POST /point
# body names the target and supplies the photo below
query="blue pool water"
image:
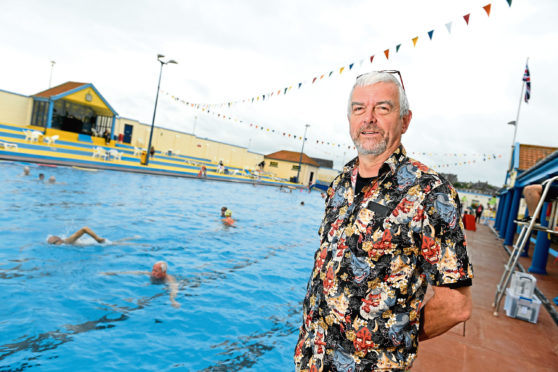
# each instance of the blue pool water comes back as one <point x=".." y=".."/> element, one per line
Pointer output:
<point x="240" y="289"/>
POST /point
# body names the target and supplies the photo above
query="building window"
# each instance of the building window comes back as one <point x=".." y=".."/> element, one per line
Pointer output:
<point x="295" y="167"/>
<point x="273" y="164"/>
<point x="39" y="117"/>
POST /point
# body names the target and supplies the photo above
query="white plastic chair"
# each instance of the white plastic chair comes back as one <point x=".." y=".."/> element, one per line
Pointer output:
<point x="137" y="151"/>
<point x="115" y="154"/>
<point x="99" y="152"/>
<point x="8" y="145"/>
<point x="52" y="139"/>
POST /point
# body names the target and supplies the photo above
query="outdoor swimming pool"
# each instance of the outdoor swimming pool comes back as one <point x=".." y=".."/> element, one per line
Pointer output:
<point x="240" y="289"/>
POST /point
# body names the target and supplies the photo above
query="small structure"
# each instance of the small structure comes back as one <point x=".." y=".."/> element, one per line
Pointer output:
<point x="285" y="164"/>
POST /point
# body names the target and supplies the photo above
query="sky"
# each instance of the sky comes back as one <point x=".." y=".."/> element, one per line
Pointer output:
<point x="463" y="86"/>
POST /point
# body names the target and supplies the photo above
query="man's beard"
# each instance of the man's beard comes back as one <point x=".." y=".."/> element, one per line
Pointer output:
<point x="372" y="148"/>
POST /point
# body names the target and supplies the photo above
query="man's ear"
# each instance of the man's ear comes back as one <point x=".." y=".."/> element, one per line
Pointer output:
<point x="406" y="121"/>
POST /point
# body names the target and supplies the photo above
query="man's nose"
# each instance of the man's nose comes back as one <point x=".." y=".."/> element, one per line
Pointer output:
<point x="369" y="115"/>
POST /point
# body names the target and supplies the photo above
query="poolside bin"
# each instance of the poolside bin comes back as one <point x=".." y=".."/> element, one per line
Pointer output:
<point x="143" y="157"/>
<point x="521" y="302"/>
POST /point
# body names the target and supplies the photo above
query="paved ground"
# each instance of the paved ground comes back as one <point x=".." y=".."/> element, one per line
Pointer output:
<point x="495" y="343"/>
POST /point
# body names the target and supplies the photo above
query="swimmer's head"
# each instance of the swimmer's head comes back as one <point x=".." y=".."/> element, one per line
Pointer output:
<point x="55" y="240"/>
<point x="41" y="176"/>
<point x="159" y="270"/>
<point x="26" y="170"/>
<point x="52" y="179"/>
<point x="228" y="213"/>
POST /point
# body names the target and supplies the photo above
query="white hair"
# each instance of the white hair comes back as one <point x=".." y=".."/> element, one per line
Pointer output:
<point x="374" y="77"/>
<point x="163" y="265"/>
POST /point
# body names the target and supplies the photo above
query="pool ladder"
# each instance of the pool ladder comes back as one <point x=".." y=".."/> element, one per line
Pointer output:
<point x="524" y="235"/>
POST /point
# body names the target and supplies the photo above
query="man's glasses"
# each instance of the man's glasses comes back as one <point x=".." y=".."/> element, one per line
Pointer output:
<point x="389" y="72"/>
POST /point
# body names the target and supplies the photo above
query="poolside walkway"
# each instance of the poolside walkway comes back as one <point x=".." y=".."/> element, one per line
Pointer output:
<point x="495" y="343"/>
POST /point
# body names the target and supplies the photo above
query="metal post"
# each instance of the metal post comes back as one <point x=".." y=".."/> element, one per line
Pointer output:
<point x="301" y="152"/>
<point x="52" y="63"/>
<point x="159" y="56"/>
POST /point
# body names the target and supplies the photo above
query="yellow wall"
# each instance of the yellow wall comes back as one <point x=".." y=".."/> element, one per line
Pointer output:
<point x="15" y="109"/>
<point x="285" y="170"/>
<point x="81" y="97"/>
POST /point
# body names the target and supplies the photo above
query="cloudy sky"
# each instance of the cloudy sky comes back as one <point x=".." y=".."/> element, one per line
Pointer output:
<point x="464" y="86"/>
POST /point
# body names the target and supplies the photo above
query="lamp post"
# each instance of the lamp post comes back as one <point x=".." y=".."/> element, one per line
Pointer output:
<point x="301" y="152"/>
<point x="52" y="63"/>
<point x="159" y="56"/>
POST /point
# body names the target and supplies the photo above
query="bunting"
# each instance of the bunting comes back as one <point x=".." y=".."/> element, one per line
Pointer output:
<point x="318" y="77"/>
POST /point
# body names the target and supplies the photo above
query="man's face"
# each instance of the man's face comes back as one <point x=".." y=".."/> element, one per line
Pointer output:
<point x="157" y="272"/>
<point x="375" y="125"/>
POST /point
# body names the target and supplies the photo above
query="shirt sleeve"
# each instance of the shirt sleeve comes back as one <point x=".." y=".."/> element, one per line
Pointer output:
<point x="443" y="254"/>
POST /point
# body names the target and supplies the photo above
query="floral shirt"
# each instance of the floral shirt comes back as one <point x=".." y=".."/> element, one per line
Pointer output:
<point x="379" y="250"/>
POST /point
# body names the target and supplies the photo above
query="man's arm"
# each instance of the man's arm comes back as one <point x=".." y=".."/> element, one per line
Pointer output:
<point x="127" y="273"/>
<point x="173" y="286"/>
<point x="84" y="230"/>
<point x="444" y="310"/>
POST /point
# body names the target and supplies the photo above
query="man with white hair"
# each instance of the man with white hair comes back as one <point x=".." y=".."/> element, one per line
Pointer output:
<point x="158" y="275"/>
<point x="391" y="227"/>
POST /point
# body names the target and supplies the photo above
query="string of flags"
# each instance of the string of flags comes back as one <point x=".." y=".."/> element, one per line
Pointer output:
<point x="337" y="71"/>
<point x="260" y="127"/>
<point x="468" y="162"/>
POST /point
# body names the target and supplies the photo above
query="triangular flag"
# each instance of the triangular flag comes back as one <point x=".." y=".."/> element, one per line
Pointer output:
<point x="341" y="70"/>
<point x="397" y="48"/>
<point x="386" y="52"/>
<point x="330" y="73"/>
<point x="415" y="39"/>
<point x="361" y="62"/>
<point x="448" y="26"/>
<point x="371" y="59"/>
<point x="509" y="2"/>
<point x="351" y="66"/>
<point x="299" y="85"/>
<point x="313" y="80"/>
<point x="285" y="92"/>
<point x="430" y="33"/>
<point x="466" y="18"/>
<point x="321" y="77"/>
<point x="487" y="9"/>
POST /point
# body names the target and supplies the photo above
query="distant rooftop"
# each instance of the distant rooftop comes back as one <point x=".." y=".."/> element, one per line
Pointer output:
<point x="59" y="89"/>
<point x="292" y="157"/>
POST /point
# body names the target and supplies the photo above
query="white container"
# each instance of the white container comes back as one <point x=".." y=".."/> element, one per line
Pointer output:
<point x="523" y="284"/>
<point x="523" y="308"/>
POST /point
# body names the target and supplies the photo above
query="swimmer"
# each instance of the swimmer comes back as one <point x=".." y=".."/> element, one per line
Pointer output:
<point x="301" y="203"/>
<point x="74" y="237"/>
<point x="41" y="177"/>
<point x="158" y="275"/>
<point x="227" y="220"/>
<point x="223" y="210"/>
<point x="26" y="170"/>
<point x="51" y="179"/>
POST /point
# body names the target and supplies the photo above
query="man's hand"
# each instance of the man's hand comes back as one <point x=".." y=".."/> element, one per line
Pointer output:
<point x="445" y="309"/>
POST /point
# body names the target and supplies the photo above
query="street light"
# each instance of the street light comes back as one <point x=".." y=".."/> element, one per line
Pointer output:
<point x="159" y="56"/>
<point x="301" y="151"/>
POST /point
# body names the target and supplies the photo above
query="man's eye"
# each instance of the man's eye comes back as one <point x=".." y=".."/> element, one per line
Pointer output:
<point x="357" y="109"/>
<point x="383" y="109"/>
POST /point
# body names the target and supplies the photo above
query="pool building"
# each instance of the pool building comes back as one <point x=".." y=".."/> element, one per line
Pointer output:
<point x="73" y="124"/>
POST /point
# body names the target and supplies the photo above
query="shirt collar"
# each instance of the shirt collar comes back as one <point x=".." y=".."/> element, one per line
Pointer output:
<point x="390" y="165"/>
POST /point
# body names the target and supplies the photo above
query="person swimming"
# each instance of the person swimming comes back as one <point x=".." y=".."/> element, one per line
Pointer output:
<point x="157" y="275"/>
<point x="56" y="240"/>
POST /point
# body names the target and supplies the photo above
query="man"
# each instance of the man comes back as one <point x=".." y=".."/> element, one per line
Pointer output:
<point x="478" y="213"/>
<point x="158" y="275"/>
<point x="74" y="237"/>
<point x="391" y="227"/>
<point x="226" y="217"/>
<point x="533" y="194"/>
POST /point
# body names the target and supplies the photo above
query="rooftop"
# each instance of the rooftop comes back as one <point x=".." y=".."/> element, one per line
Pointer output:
<point x="292" y="157"/>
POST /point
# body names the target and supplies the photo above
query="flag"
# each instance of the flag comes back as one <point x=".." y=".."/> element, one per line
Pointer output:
<point x="527" y="80"/>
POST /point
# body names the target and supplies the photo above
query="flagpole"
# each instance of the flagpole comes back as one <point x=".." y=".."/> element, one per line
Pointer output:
<point x="519" y="107"/>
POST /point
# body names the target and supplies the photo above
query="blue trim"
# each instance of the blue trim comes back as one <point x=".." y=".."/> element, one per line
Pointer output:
<point x="540" y="254"/>
<point x="80" y="88"/>
<point x="49" y="118"/>
<point x="539" y="174"/>
<point x="17" y="94"/>
<point x="516" y="156"/>
<point x="41" y="99"/>
<point x="112" y="127"/>
<point x="512" y="214"/>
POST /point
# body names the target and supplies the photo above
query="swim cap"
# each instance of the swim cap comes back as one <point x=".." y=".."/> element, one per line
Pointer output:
<point x="228" y="213"/>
